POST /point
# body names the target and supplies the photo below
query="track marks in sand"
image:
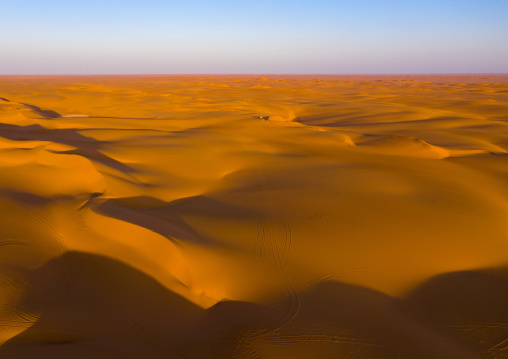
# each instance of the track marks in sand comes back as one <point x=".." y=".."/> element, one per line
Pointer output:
<point x="498" y="350"/>
<point x="11" y="309"/>
<point x="273" y="246"/>
<point x="272" y="250"/>
<point x="27" y="209"/>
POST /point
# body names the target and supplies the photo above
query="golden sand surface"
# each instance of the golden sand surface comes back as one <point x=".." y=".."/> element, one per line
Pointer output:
<point x="254" y="216"/>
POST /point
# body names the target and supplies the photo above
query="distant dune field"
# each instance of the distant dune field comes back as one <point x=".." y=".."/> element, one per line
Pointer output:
<point x="254" y="217"/>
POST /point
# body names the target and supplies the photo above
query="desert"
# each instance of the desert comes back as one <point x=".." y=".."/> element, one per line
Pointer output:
<point x="254" y="216"/>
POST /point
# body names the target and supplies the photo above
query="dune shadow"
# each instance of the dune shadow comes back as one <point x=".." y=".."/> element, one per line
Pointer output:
<point x="453" y="315"/>
<point x="166" y="218"/>
<point x="44" y="113"/>
<point x="86" y="147"/>
<point x="377" y="325"/>
<point x="93" y="306"/>
<point x="468" y="306"/>
<point x="25" y="197"/>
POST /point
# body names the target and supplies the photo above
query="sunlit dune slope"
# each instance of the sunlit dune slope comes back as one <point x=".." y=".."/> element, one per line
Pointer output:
<point x="254" y="217"/>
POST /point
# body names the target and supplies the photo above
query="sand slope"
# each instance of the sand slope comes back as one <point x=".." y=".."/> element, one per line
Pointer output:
<point x="249" y="217"/>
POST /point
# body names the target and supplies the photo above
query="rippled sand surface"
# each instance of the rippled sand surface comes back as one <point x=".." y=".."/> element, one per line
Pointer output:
<point x="254" y="217"/>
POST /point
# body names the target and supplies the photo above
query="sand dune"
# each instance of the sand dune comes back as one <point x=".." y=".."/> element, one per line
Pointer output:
<point x="254" y="217"/>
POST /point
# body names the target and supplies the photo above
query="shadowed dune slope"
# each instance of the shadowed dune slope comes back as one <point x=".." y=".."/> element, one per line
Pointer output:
<point x="87" y="305"/>
<point x="254" y="217"/>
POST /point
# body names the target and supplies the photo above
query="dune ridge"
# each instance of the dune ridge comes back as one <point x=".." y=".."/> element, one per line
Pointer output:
<point x="253" y="216"/>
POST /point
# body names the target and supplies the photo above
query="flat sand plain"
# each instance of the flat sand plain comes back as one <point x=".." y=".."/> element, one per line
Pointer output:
<point x="254" y="217"/>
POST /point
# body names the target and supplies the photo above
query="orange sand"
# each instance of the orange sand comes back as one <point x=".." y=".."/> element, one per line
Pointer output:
<point x="248" y="217"/>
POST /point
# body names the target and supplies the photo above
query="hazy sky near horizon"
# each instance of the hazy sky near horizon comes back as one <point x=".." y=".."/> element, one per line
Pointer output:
<point x="262" y="36"/>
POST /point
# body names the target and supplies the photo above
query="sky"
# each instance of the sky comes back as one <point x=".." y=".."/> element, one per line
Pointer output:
<point x="253" y="36"/>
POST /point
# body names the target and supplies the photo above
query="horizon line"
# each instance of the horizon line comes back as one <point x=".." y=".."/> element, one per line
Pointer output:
<point x="274" y="74"/>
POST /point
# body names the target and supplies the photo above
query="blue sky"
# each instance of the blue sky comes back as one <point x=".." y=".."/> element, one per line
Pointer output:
<point x="277" y="36"/>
